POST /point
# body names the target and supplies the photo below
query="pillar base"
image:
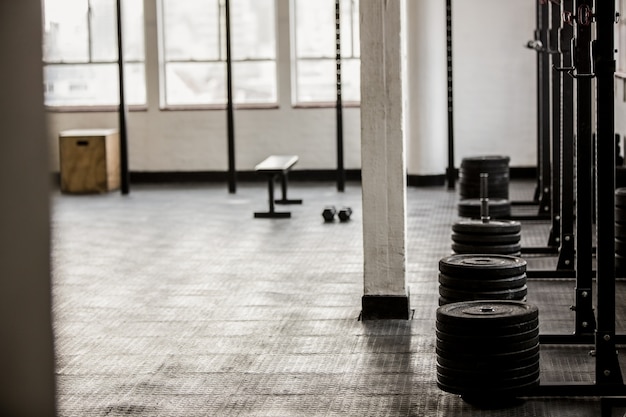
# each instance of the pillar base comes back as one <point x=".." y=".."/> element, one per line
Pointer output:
<point x="385" y="307"/>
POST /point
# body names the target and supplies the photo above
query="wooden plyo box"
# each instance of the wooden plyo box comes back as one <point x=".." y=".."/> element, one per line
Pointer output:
<point x="89" y="160"/>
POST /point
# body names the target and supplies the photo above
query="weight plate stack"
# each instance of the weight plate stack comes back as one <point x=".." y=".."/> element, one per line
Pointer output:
<point x="620" y="232"/>
<point x="499" y="208"/>
<point x="465" y="277"/>
<point x="497" y="167"/>
<point x="494" y="237"/>
<point x="487" y="350"/>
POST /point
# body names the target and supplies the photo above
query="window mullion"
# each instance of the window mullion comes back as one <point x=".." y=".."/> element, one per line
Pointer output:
<point x="352" y="54"/>
<point x="220" y="12"/>
<point x="89" y="33"/>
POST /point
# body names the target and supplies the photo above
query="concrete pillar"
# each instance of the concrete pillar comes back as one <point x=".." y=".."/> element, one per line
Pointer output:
<point x="26" y="352"/>
<point x="427" y="109"/>
<point x="382" y="159"/>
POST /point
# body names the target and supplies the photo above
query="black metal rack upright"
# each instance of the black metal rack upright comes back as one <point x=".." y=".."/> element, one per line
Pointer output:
<point x="608" y="377"/>
<point x="555" y="127"/>
<point x="581" y="63"/>
<point x="567" y="220"/>
<point x="341" y="172"/>
<point x="576" y="63"/>
<point x="450" y="171"/>
<point x="230" y="119"/>
<point x="543" y="104"/>
<point x="554" y="239"/>
<point x="123" y="108"/>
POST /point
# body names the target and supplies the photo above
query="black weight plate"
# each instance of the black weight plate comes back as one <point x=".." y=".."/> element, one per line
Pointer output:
<point x="486" y="249"/>
<point x="620" y="247"/>
<point x="495" y="227"/>
<point x="482" y="314"/>
<point x="465" y="295"/>
<point x="490" y="379"/>
<point x="500" y="183"/>
<point x="491" y="194"/>
<point x="482" y="266"/>
<point x="480" y="168"/>
<point x="478" y="395"/>
<point x="494" y="204"/>
<point x="475" y="347"/>
<point x="487" y="384"/>
<point x="485" y="344"/>
<point x="620" y="197"/>
<point x="487" y="331"/>
<point x="620" y="215"/>
<point x="620" y="265"/>
<point x="505" y="373"/>
<point x="469" y="284"/>
<point x="473" y="172"/>
<point x="474" y="213"/>
<point x="493" y="189"/>
<point x="487" y="363"/>
<point x="486" y="239"/>
<point x="485" y="160"/>
<point x="620" y="230"/>
<point x="487" y="340"/>
<point x="493" y="215"/>
<point x="444" y="301"/>
<point x="472" y="185"/>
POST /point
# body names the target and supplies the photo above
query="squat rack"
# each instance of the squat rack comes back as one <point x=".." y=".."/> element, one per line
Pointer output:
<point x="555" y="139"/>
<point x="608" y="377"/>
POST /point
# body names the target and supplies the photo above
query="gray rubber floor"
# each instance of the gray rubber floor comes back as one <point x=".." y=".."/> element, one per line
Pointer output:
<point x="175" y="301"/>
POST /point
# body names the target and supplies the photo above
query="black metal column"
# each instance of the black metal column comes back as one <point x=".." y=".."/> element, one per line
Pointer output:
<point x="566" y="253"/>
<point x="230" y="122"/>
<point x="585" y="317"/>
<point x="450" y="172"/>
<point x="607" y="366"/>
<point x="123" y="110"/>
<point x="543" y="106"/>
<point x="341" y="172"/>
<point x="554" y="239"/>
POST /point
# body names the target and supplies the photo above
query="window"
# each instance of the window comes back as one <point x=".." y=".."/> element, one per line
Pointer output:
<point x="315" y="77"/>
<point x="194" y="52"/>
<point x="80" y="52"/>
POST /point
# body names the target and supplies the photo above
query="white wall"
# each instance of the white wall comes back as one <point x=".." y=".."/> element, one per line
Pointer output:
<point x="495" y="105"/>
<point x="495" y="79"/>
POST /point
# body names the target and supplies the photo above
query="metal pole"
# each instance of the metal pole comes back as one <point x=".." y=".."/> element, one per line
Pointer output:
<point x="122" y="110"/>
<point x="230" y="122"/>
<point x="543" y="107"/>
<point x="554" y="239"/>
<point x="585" y="316"/>
<point x="566" y="255"/>
<point x="451" y="175"/>
<point x="341" y="173"/>
<point x="607" y="365"/>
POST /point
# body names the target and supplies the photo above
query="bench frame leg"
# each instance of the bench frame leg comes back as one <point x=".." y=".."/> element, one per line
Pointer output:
<point x="271" y="214"/>
<point x="285" y="200"/>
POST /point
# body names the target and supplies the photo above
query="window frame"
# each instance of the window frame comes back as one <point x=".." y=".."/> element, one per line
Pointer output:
<point x="296" y="58"/>
<point x="221" y="59"/>
<point x="91" y="61"/>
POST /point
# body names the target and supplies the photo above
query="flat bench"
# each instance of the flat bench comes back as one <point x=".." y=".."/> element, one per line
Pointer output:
<point x="273" y="167"/>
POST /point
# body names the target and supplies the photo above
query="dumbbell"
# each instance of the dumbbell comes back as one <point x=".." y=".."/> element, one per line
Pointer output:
<point x="329" y="213"/>
<point x="344" y="214"/>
